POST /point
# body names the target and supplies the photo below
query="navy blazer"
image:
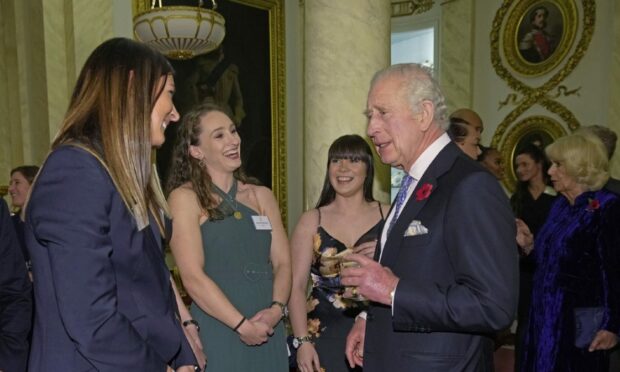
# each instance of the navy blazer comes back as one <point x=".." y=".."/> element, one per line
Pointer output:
<point x="102" y="289"/>
<point x="458" y="282"/>
<point x="15" y="298"/>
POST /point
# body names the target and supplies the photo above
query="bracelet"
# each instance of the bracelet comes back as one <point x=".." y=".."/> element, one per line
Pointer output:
<point x="282" y="307"/>
<point x="298" y="341"/>
<point x="239" y="325"/>
<point x="192" y="321"/>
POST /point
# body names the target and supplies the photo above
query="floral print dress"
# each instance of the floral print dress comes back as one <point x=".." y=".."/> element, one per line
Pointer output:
<point x="330" y="316"/>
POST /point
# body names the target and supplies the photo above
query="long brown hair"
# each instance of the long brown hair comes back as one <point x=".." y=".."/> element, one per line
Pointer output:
<point x="185" y="168"/>
<point x="110" y="114"/>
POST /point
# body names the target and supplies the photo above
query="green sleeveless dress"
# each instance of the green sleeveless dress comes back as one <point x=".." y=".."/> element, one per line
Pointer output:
<point x="237" y="260"/>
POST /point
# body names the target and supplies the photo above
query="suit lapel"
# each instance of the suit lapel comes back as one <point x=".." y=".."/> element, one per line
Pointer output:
<point x="441" y="164"/>
<point x="153" y="233"/>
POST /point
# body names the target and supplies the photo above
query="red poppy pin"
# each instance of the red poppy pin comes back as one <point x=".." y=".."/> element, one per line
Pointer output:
<point x="593" y="205"/>
<point x="423" y="192"/>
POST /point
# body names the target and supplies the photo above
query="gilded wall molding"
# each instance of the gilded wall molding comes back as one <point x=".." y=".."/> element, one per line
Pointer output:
<point x="406" y="8"/>
<point x="526" y="96"/>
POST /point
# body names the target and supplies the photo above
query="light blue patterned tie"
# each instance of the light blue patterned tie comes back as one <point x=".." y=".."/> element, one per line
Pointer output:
<point x="400" y="199"/>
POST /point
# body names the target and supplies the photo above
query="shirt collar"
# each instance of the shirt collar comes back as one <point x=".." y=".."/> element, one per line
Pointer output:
<point x="426" y="158"/>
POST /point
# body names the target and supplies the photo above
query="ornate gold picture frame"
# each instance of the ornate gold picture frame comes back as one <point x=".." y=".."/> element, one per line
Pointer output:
<point x="539" y="130"/>
<point x="539" y="34"/>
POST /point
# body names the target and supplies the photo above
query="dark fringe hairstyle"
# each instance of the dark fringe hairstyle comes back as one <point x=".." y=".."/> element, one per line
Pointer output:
<point x="352" y="147"/>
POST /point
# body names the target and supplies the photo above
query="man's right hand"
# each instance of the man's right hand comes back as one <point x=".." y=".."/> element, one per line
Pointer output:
<point x="355" y="343"/>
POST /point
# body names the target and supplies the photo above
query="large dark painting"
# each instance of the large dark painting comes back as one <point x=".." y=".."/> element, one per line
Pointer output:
<point x="236" y="75"/>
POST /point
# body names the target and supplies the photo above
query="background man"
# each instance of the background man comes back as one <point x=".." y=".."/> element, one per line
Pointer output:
<point x="472" y="119"/>
<point x="609" y="139"/>
<point x="15" y="298"/>
<point x="447" y="270"/>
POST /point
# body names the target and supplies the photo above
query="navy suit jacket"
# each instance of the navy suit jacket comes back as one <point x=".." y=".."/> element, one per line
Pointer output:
<point x="102" y="289"/>
<point x="458" y="282"/>
<point x="15" y="298"/>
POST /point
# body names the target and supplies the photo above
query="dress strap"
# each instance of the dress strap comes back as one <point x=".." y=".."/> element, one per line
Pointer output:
<point x="319" y="210"/>
<point x="380" y="210"/>
<point x="232" y="193"/>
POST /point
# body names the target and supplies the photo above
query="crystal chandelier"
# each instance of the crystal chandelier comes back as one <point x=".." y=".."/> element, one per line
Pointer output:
<point x="180" y="32"/>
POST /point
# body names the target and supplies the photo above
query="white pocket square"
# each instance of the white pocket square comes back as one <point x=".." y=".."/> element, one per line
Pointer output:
<point x="415" y="228"/>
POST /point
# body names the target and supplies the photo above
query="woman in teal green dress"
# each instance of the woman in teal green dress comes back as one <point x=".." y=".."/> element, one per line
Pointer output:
<point x="230" y="247"/>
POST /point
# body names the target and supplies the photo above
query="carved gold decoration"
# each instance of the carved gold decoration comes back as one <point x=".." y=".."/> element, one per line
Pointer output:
<point x="538" y="126"/>
<point x="562" y="90"/>
<point x="519" y="15"/>
<point x="512" y="98"/>
<point x="3" y="190"/>
<point x="526" y="96"/>
<point x="405" y="8"/>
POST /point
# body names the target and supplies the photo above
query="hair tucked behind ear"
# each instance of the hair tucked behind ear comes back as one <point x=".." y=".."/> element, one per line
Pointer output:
<point x="110" y="115"/>
<point x="184" y="168"/>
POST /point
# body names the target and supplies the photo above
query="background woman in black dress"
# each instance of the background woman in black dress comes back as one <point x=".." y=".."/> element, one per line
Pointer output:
<point x="531" y="204"/>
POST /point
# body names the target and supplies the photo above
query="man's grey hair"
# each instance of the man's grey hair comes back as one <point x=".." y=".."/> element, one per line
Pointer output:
<point x="418" y="85"/>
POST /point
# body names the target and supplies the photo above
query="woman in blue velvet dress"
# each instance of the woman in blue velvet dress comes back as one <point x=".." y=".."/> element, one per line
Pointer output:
<point x="578" y="262"/>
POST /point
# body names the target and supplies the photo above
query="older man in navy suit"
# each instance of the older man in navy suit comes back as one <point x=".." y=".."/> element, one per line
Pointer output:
<point x="446" y="276"/>
<point x="15" y="298"/>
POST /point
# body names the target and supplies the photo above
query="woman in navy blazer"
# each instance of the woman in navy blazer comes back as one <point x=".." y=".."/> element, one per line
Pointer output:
<point x="94" y="224"/>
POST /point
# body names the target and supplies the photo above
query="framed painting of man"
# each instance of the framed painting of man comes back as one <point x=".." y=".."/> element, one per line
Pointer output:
<point x="538" y="34"/>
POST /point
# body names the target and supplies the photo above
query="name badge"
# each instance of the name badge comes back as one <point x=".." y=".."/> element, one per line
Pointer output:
<point x="261" y="222"/>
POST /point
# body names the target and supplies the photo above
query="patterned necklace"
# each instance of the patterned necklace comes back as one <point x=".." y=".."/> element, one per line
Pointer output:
<point x="230" y="200"/>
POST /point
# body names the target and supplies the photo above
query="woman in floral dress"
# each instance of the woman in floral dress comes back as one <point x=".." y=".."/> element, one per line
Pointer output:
<point x="346" y="219"/>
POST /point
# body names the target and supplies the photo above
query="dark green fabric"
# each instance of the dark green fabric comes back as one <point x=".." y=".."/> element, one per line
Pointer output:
<point x="237" y="259"/>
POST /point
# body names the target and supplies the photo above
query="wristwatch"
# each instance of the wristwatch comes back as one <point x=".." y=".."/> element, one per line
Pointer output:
<point x="282" y="306"/>
<point x="298" y="341"/>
